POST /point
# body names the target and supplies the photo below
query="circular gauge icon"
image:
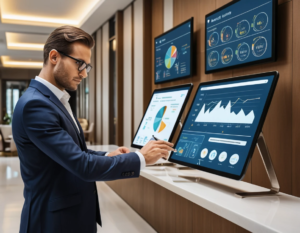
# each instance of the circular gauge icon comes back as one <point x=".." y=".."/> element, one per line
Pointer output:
<point x="213" y="155"/>
<point x="226" y="34"/>
<point x="226" y="56"/>
<point x="243" y="51"/>
<point x="222" y="156"/>
<point x="213" y="39"/>
<point x="260" y="21"/>
<point x="242" y="29"/>
<point x="259" y="46"/>
<point x="234" y="159"/>
<point x="204" y="153"/>
<point x="213" y="58"/>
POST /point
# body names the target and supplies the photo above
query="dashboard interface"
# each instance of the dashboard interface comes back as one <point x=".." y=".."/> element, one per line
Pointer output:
<point x="162" y="114"/>
<point x="173" y="53"/>
<point x="240" y="33"/>
<point x="222" y="122"/>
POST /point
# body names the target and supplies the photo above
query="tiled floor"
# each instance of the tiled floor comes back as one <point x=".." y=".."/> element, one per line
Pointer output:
<point x="116" y="215"/>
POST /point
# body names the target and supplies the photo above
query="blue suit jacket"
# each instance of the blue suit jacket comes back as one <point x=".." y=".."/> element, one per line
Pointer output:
<point x="58" y="170"/>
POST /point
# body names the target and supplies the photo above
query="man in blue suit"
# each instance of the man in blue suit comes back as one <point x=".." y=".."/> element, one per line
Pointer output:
<point x="58" y="170"/>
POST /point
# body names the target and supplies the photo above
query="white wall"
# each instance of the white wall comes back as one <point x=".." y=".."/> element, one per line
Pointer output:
<point x="105" y="83"/>
<point x="98" y="66"/>
<point x="138" y="62"/>
<point x="127" y="98"/>
<point x="168" y="15"/>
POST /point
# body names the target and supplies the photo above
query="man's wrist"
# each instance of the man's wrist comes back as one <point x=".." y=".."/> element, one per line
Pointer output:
<point x="142" y="160"/>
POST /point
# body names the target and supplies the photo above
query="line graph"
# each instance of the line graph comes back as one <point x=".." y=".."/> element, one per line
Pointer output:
<point x="233" y="103"/>
<point x="224" y="115"/>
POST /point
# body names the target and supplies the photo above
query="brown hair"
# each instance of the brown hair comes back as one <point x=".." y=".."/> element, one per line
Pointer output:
<point x="62" y="38"/>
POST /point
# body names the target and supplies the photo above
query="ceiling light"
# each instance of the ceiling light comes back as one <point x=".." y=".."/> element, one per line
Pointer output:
<point x="25" y="46"/>
<point x="37" y="20"/>
<point x="7" y="62"/>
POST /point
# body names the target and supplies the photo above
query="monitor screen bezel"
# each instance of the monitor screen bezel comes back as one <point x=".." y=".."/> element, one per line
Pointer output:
<point x="191" y="20"/>
<point x="256" y="135"/>
<point x="190" y="85"/>
<point x="273" y="58"/>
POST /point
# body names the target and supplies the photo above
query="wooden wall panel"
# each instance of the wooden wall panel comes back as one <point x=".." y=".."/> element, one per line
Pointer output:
<point x="296" y="101"/>
<point x="157" y="29"/>
<point x="167" y="212"/>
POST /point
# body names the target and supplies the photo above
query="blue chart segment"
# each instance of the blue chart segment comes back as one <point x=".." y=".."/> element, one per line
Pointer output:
<point x="159" y="125"/>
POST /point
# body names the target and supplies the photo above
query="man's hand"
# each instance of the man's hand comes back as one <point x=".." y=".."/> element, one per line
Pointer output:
<point x="154" y="150"/>
<point x="120" y="150"/>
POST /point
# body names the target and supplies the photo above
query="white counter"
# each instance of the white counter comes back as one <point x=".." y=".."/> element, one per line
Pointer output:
<point x="256" y="214"/>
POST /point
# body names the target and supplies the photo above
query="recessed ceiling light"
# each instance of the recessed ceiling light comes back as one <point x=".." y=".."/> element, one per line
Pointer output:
<point x="7" y="62"/>
<point x="25" y="46"/>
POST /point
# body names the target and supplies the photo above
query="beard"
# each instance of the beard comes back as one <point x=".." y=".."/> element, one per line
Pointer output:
<point x="61" y="78"/>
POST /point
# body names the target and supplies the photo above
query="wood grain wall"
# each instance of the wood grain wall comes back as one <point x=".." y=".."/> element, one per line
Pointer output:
<point x="282" y="123"/>
<point x="169" y="212"/>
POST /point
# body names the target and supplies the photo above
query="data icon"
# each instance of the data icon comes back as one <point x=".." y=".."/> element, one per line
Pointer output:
<point x="213" y="39"/>
<point x="213" y="58"/>
<point x="260" y="22"/>
<point x="213" y="155"/>
<point x="226" y="56"/>
<point x="234" y="159"/>
<point x="259" y="46"/>
<point x="222" y="156"/>
<point x="242" y="29"/>
<point x="226" y="34"/>
<point x="204" y="153"/>
<point x="243" y="51"/>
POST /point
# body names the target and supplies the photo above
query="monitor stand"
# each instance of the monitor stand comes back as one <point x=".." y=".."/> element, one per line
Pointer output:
<point x="267" y="161"/>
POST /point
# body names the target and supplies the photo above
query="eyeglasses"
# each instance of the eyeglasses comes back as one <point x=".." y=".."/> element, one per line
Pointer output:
<point x="81" y="64"/>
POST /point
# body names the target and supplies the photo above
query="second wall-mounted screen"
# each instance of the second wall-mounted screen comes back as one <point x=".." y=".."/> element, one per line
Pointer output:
<point x="173" y="57"/>
<point x="240" y="33"/>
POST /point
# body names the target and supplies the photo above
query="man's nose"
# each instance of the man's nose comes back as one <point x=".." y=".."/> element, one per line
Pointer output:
<point x="83" y="73"/>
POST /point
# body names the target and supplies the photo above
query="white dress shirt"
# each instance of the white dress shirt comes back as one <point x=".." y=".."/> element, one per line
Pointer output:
<point x="64" y="97"/>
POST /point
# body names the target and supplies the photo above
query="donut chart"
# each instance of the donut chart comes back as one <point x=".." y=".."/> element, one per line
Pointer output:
<point x="226" y="34"/>
<point x="171" y="56"/>
<point x="260" y="22"/>
<point x="259" y="46"/>
<point x="243" y="51"/>
<point x="159" y="125"/>
<point x="213" y="58"/>
<point x="213" y="39"/>
<point x="242" y="29"/>
<point x="227" y="56"/>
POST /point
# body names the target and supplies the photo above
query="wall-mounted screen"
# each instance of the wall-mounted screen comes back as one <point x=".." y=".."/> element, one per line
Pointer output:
<point x="240" y="33"/>
<point x="162" y="115"/>
<point x="173" y="53"/>
<point x="223" y="124"/>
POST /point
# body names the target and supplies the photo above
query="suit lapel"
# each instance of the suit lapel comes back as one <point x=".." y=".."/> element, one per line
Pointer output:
<point x="46" y="92"/>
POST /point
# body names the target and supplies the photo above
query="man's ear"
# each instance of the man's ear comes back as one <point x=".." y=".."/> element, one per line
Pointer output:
<point x="53" y="56"/>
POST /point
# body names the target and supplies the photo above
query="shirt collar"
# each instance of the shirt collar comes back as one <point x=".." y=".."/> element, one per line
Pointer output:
<point x="57" y="92"/>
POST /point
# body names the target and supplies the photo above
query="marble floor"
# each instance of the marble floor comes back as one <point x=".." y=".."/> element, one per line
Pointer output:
<point x="116" y="215"/>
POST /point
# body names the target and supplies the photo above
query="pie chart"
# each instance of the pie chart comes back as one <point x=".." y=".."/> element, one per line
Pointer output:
<point x="171" y="56"/>
<point x="159" y="125"/>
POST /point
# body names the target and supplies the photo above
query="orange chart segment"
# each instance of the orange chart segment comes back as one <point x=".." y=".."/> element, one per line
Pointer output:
<point x="159" y="125"/>
<point x="162" y="126"/>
